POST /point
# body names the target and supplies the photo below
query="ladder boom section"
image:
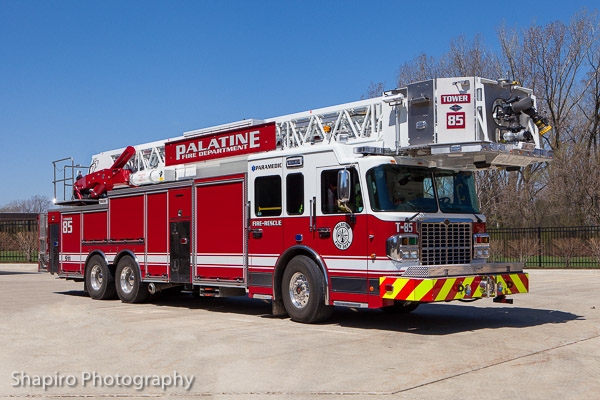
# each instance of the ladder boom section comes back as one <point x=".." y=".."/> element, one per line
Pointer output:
<point x="458" y="123"/>
<point x="356" y="120"/>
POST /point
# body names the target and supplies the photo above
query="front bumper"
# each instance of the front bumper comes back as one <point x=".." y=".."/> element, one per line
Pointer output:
<point x="452" y="288"/>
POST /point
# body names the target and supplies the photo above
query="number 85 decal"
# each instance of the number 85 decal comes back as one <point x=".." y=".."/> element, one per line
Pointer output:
<point x="455" y="120"/>
<point x="67" y="226"/>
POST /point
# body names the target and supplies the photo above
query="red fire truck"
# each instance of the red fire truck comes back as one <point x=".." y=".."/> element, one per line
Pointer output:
<point x="369" y="204"/>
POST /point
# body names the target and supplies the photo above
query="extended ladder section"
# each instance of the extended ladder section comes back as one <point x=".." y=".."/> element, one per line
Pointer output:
<point x="460" y="123"/>
<point x="358" y="121"/>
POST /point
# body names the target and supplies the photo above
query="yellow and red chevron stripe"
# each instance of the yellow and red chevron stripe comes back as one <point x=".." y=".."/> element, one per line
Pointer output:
<point x="444" y="289"/>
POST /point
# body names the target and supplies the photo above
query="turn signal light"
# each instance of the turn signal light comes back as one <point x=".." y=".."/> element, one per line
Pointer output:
<point x="482" y="239"/>
<point x="481" y="245"/>
<point x="409" y="241"/>
<point x="403" y="247"/>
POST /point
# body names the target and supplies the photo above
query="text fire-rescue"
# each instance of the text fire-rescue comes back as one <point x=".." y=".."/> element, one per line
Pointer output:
<point x="269" y="222"/>
<point x="225" y="144"/>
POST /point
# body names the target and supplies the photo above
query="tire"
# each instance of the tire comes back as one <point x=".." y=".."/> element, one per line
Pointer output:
<point x="303" y="290"/>
<point x="130" y="287"/>
<point x="401" y="307"/>
<point x="99" y="279"/>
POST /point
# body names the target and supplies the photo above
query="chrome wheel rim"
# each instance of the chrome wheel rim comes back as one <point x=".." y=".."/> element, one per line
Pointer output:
<point x="127" y="279"/>
<point x="96" y="277"/>
<point x="299" y="290"/>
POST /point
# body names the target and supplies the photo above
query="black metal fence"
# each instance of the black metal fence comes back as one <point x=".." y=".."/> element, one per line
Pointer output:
<point x="18" y="240"/>
<point x="551" y="247"/>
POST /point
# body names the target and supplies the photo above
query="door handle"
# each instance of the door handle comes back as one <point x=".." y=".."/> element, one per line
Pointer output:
<point x="312" y="214"/>
<point x="256" y="233"/>
<point x="324" y="233"/>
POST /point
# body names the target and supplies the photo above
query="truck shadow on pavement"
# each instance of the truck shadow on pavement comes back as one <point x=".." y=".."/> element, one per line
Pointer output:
<point x="428" y="319"/>
<point x="445" y="319"/>
<point x="18" y="273"/>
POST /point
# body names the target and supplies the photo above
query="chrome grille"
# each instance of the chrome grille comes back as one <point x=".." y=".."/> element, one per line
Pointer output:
<point x="443" y="243"/>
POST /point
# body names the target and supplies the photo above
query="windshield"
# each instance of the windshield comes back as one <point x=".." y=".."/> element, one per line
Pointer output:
<point x="456" y="192"/>
<point x="394" y="188"/>
<point x="400" y="188"/>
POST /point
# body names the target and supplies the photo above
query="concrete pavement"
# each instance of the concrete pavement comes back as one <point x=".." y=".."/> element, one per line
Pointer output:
<point x="546" y="345"/>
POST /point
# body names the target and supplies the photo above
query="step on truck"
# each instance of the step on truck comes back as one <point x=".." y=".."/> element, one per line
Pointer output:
<point x="369" y="204"/>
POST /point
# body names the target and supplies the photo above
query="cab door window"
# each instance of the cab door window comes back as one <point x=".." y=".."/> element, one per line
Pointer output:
<point x="330" y="203"/>
<point x="267" y="196"/>
<point x="294" y="194"/>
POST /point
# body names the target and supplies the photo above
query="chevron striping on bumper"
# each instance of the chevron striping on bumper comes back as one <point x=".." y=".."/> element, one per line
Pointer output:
<point x="445" y="289"/>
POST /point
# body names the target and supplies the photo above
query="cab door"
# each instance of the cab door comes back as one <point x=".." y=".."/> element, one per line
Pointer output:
<point x="341" y="235"/>
<point x="265" y="233"/>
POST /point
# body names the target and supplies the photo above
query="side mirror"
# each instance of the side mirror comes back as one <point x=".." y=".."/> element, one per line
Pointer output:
<point x="343" y="186"/>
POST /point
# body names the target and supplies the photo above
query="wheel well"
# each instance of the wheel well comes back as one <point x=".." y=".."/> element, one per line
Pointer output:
<point x="286" y="257"/>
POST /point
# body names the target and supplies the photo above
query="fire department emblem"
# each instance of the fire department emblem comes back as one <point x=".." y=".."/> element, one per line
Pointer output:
<point x="342" y="235"/>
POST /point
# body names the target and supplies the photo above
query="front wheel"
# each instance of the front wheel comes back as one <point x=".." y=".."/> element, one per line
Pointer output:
<point x="303" y="290"/>
<point x="129" y="282"/>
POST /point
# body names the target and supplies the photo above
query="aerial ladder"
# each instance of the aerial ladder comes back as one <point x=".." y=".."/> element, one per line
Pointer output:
<point x="469" y="123"/>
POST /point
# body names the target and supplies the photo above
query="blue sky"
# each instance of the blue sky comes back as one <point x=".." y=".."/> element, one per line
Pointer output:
<point x="81" y="77"/>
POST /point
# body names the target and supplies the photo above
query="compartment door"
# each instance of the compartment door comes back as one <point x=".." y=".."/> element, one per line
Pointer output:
<point x="220" y="231"/>
<point x="180" y="251"/>
<point x="54" y="242"/>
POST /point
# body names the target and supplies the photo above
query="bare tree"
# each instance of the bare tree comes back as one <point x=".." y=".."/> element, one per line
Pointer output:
<point x="420" y="68"/>
<point x="524" y="248"/>
<point x="594" y="246"/>
<point x="470" y="58"/>
<point x="589" y="107"/>
<point x="375" y="89"/>
<point x="27" y="243"/>
<point x="35" y="204"/>
<point x="568" y="249"/>
<point x="551" y="60"/>
<point x="560" y="61"/>
<point x="464" y="58"/>
<point x="574" y="186"/>
<point x="6" y="241"/>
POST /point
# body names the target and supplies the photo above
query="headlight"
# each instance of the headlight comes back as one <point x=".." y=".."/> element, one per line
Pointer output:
<point x="403" y="247"/>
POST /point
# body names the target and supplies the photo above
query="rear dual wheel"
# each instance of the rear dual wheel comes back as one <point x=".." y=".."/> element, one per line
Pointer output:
<point x="130" y="287"/>
<point x="99" y="279"/>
